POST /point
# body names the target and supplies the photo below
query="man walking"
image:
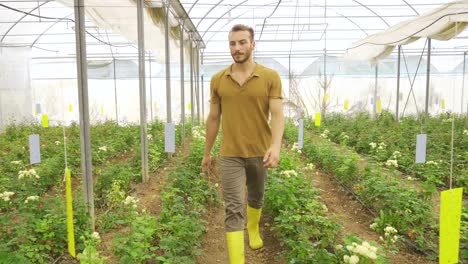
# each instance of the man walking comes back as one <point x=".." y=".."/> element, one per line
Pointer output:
<point x="244" y="94"/>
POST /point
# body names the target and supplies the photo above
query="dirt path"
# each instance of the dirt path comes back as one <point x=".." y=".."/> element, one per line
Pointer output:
<point x="214" y="242"/>
<point x="355" y="218"/>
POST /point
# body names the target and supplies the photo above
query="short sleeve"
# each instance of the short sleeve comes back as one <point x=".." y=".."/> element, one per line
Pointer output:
<point x="214" y="96"/>
<point x="275" y="88"/>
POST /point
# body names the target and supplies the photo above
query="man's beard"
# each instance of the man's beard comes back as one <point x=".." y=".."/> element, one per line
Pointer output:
<point x="247" y="57"/>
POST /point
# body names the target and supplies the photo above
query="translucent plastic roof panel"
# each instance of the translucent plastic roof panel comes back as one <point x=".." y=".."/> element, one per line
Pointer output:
<point x="302" y="27"/>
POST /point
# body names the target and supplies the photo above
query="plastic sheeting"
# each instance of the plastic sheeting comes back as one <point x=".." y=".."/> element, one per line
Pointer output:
<point x="116" y="15"/>
<point x="442" y="23"/>
<point x="15" y="87"/>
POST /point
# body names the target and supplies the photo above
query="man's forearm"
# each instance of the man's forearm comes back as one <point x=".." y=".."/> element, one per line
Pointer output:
<point x="212" y="128"/>
<point x="277" y="128"/>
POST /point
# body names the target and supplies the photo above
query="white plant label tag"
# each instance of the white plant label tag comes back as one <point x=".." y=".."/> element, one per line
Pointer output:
<point x="421" y="142"/>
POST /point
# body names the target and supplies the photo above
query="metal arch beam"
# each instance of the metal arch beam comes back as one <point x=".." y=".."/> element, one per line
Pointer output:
<point x="209" y="11"/>
<point x="192" y="6"/>
<point x="354" y="23"/>
<point x="264" y="20"/>
<point x="224" y="26"/>
<point x="214" y="22"/>
<point x="417" y="13"/>
<point x="45" y="31"/>
<point x="19" y="20"/>
<point x="370" y="9"/>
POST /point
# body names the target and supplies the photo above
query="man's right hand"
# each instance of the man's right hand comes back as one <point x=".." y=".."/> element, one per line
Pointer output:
<point x="206" y="163"/>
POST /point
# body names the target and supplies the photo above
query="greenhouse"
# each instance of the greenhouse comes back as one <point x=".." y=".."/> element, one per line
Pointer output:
<point x="196" y="131"/>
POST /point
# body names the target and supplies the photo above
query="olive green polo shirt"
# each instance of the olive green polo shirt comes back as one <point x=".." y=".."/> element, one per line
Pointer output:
<point x="245" y="111"/>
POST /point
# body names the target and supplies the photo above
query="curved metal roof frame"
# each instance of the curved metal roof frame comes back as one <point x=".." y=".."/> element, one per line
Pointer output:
<point x="413" y="7"/>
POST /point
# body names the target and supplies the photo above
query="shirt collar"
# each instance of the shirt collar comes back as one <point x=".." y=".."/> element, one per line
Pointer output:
<point x="256" y="72"/>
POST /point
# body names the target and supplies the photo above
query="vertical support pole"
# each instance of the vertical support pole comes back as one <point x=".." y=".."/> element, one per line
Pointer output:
<point x="168" y="66"/>
<point x="168" y="69"/>
<point x="289" y="84"/>
<point x="141" y="67"/>
<point x="197" y="83"/>
<point x="182" y="81"/>
<point x="85" y="131"/>
<point x="463" y="84"/>
<point x="192" y="106"/>
<point x="202" y="93"/>
<point x="428" y="74"/>
<point x="375" y="88"/>
<point x="115" y="93"/>
<point x="397" y="113"/>
<point x="151" y="86"/>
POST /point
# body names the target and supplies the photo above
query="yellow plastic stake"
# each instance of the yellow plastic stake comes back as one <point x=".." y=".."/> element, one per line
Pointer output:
<point x="45" y="120"/>
<point x="443" y="104"/>
<point x="70" y="108"/>
<point x="450" y="218"/>
<point x="317" y="119"/>
<point x="346" y="105"/>
<point x="379" y="106"/>
<point x="70" y="228"/>
<point x="325" y="97"/>
<point x="189" y="105"/>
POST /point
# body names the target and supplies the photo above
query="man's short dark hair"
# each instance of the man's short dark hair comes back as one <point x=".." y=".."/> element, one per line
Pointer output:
<point x="241" y="27"/>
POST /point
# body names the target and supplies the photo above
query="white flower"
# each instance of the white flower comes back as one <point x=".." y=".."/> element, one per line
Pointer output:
<point x="382" y="144"/>
<point x="103" y="148"/>
<point x="465" y="132"/>
<point x="310" y="166"/>
<point x="373" y="226"/>
<point x="346" y="258"/>
<point x="299" y="151"/>
<point x="432" y="163"/>
<point x="198" y="133"/>
<point x="130" y="200"/>
<point x="391" y="163"/>
<point x="324" y="135"/>
<point x="149" y="137"/>
<point x="295" y="146"/>
<point x="339" y="247"/>
<point x="57" y="142"/>
<point x="289" y="173"/>
<point x="353" y="259"/>
<point x="373" y="145"/>
<point x="16" y="162"/>
<point x="390" y="230"/>
<point x="31" y="198"/>
<point x="372" y="255"/>
<point x="28" y="174"/>
<point x="6" y="195"/>
<point x="96" y="235"/>
<point x="396" y="154"/>
<point x="361" y="250"/>
<point x="216" y="185"/>
<point x="410" y="178"/>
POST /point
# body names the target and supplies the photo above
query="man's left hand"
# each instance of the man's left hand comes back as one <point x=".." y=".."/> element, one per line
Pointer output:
<point x="271" y="158"/>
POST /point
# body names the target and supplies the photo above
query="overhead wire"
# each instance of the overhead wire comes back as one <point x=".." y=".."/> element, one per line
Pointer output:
<point x="67" y="19"/>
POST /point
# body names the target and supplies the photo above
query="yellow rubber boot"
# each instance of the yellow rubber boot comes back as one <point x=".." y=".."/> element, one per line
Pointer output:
<point x="253" y="218"/>
<point x="235" y="242"/>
